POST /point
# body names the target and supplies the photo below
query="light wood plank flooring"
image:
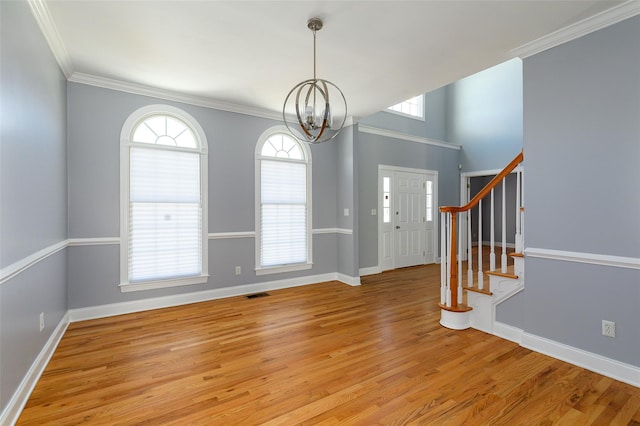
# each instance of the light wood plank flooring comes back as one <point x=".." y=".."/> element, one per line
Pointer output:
<point x="323" y="354"/>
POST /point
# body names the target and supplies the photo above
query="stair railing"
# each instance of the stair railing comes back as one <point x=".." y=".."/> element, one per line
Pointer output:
<point x="451" y="295"/>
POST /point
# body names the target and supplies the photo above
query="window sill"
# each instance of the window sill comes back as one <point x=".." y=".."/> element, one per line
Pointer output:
<point x="152" y="285"/>
<point x="281" y="269"/>
<point x="405" y="115"/>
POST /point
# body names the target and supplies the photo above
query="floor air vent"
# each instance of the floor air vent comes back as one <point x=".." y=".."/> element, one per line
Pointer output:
<point x="256" y="295"/>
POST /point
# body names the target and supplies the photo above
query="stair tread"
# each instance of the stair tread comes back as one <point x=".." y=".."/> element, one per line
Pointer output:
<point x="478" y="290"/>
<point x="516" y="254"/>
<point x="460" y="308"/>
<point x="502" y="274"/>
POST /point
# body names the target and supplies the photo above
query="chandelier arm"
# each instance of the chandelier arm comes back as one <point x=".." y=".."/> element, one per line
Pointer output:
<point x="325" y="95"/>
<point x="300" y="121"/>
<point x="312" y="87"/>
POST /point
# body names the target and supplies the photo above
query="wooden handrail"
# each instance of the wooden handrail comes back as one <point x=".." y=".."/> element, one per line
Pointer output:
<point x="485" y="191"/>
<point x="454" y="210"/>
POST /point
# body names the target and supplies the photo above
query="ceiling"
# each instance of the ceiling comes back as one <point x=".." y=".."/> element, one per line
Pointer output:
<point x="251" y="53"/>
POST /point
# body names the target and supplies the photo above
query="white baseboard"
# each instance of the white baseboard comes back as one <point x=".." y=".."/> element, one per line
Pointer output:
<point x="101" y="311"/>
<point x="602" y="365"/>
<point x="370" y="271"/>
<point x="352" y="281"/>
<point x="10" y="414"/>
<point x="507" y="332"/>
<point x="597" y="363"/>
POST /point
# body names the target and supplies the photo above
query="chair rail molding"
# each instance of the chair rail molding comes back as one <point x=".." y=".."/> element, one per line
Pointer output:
<point x="591" y="258"/>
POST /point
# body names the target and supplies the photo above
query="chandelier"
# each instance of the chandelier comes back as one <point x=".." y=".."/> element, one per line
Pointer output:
<point x="307" y="112"/>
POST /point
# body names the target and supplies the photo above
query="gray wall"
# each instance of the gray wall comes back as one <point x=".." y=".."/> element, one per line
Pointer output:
<point x="33" y="191"/>
<point x="484" y="115"/>
<point x="347" y="198"/>
<point x="96" y="116"/>
<point x="582" y="143"/>
<point x="373" y="150"/>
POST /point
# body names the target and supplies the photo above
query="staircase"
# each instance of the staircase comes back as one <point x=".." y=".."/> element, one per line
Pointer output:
<point x="466" y="300"/>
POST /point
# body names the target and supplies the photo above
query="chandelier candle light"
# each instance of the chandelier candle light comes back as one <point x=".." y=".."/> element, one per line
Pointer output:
<point x="315" y="119"/>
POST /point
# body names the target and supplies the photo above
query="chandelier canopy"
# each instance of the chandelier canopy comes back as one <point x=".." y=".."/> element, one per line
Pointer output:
<point x="315" y="110"/>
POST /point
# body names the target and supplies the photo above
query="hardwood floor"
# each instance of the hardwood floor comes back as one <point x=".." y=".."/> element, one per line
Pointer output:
<point x="321" y="354"/>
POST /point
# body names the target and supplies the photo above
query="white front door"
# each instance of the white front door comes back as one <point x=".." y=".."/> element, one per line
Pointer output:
<point x="408" y="219"/>
<point x="409" y="216"/>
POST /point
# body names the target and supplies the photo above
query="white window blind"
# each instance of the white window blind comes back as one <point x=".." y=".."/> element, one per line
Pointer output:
<point x="165" y="215"/>
<point x="283" y="199"/>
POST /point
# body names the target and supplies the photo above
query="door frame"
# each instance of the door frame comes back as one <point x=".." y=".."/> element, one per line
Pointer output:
<point x="382" y="168"/>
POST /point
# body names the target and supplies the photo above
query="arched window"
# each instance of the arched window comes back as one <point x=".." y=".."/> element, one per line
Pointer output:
<point x="163" y="201"/>
<point x="283" y="203"/>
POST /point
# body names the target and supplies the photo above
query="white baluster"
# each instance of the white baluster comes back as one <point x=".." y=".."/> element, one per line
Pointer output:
<point x="443" y="258"/>
<point x="518" y="204"/>
<point x="480" y="272"/>
<point x="503" y="258"/>
<point x="459" y="234"/>
<point x="469" y="252"/>
<point x="521" y="210"/>
<point x="492" y="243"/>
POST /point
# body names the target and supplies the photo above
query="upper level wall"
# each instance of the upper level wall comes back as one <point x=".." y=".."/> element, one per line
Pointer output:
<point x="432" y="127"/>
<point x="582" y="141"/>
<point x="484" y="115"/>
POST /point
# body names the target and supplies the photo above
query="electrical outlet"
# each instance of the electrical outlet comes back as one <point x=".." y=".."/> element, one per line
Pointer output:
<point x="41" y="321"/>
<point x="238" y="270"/>
<point x="608" y="328"/>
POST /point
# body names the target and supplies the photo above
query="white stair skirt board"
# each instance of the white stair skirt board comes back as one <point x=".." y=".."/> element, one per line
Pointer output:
<point x="483" y="315"/>
<point x="455" y="320"/>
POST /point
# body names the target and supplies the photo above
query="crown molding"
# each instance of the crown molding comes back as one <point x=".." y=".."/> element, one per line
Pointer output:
<point x="43" y="17"/>
<point x="168" y="95"/>
<point x="596" y="22"/>
<point x="411" y="138"/>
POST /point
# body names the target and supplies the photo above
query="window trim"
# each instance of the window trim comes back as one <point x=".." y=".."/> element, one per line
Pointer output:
<point x="259" y="269"/>
<point x="126" y="143"/>
<point x="421" y="117"/>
